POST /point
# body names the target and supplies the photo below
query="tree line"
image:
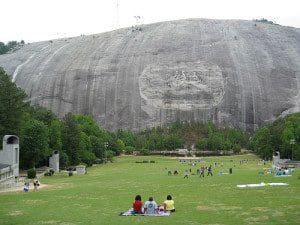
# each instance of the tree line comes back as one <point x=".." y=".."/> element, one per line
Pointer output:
<point x="283" y="136"/>
<point x="79" y="139"/>
<point x="11" y="45"/>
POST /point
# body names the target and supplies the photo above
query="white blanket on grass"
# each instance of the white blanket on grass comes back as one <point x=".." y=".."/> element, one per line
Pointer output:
<point x="130" y="212"/>
<point x="262" y="184"/>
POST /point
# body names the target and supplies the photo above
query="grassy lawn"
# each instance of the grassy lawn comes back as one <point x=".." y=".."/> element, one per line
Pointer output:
<point x="99" y="196"/>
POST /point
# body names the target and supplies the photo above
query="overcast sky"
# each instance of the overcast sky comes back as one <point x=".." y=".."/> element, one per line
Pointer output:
<point x="36" y="20"/>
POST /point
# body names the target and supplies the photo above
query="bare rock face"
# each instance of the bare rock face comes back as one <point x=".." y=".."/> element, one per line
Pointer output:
<point x="236" y="73"/>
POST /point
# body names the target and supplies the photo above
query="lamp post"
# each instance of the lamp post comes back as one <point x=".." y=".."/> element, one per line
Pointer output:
<point x="292" y="143"/>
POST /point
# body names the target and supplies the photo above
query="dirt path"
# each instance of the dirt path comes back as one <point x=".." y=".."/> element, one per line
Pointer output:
<point x="20" y="187"/>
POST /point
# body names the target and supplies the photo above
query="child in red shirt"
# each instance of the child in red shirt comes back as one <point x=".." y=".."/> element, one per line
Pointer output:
<point x="137" y="204"/>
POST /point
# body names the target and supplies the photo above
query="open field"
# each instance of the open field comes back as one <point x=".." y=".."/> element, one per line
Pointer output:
<point x="99" y="196"/>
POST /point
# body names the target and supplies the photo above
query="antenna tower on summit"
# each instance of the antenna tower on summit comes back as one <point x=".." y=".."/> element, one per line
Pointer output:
<point x="138" y="20"/>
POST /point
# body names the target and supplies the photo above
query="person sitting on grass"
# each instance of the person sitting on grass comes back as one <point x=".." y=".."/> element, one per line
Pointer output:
<point x="169" y="204"/>
<point x="150" y="207"/>
<point x="137" y="205"/>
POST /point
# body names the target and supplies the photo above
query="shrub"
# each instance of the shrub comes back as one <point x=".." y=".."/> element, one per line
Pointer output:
<point x="99" y="161"/>
<point x="109" y="155"/>
<point x="49" y="173"/>
<point x="129" y="150"/>
<point x="236" y="149"/>
<point x="144" y="151"/>
<point x="31" y="173"/>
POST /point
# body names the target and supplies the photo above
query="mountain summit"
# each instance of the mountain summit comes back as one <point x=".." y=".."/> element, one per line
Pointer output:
<point x="233" y="72"/>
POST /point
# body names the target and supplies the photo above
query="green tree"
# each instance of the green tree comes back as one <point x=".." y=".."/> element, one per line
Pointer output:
<point x="172" y="141"/>
<point x="288" y="135"/>
<point x="71" y="139"/>
<point x="12" y="106"/>
<point x="63" y="160"/>
<point x="109" y="155"/>
<point x="236" y="148"/>
<point x="129" y="150"/>
<point x="12" y="44"/>
<point x="3" y="48"/>
<point x="85" y="150"/>
<point x="262" y="144"/>
<point x="55" y="135"/>
<point x="34" y="149"/>
<point x="42" y="114"/>
<point x="227" y="145"/>
<point x="98" y="147"/>
<point x="127" y="137"/>
<point x="214" y="141"/>
<point x="89" y="126"/>
<point x="296" y="146"/>
<point x="120" y="145"/>
<point x="201" y="144"/>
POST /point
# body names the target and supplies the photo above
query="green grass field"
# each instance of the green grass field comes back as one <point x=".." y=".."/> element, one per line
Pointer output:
<point x="99" y="196"/>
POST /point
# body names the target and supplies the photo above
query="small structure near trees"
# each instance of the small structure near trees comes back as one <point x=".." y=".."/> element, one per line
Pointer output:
<point x="9" y="161"/>
<point x="279" y="163"/>
<point x="81" y="169"/>
<point x="54" y="161"/>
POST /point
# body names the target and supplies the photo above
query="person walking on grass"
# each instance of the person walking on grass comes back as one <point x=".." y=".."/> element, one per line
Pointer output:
<point x="209" y="171"/>
<point x="202" y="170"/>
<point x="150" y="207"/>
<point x="36" y="184"/>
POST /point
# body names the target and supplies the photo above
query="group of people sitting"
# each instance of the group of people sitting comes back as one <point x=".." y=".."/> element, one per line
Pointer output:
<point x="283" y="172"/>
<point x="151" y="207"/>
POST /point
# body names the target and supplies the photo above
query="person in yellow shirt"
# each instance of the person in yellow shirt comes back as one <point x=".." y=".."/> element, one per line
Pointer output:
<point x="169" y="204"/>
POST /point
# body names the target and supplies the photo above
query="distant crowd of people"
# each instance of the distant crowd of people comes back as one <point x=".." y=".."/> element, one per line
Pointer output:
<point x="200" y="172"/>
<point x="151" y="207"/>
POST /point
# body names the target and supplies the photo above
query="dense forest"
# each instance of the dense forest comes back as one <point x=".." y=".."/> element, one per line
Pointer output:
<point x="80" y="139"/>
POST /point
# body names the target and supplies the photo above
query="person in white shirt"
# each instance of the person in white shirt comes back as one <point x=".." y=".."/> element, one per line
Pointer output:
<point x="150" y="207"/>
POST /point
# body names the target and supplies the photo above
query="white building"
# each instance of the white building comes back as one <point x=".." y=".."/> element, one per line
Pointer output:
<point x="9" y="158"/>
<point x="54" y="161"/>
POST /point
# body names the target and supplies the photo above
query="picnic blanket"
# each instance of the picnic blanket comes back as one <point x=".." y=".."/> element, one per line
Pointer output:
<point x="262" y="184"/>
<point x="130" y="212"/>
